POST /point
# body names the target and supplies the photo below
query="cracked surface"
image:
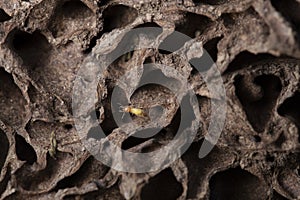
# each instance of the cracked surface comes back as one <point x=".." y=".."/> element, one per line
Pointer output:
<point x="255" y="45"/>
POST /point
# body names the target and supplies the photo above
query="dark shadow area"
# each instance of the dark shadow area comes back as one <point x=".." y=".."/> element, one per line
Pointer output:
<point x="163" y="186"/>
<point x="193" y="24"/>
<point x="290" y="11"/>
<point x="277" y="196"/>
<point x="245" y="58"/>
<point x="211" y="47"/>
<point x="4" y="16"/>
<point x="4" y="144"/>
<point x="4" y="182"/>
<point x="118" y="16"/>
<point x="291" y="110"/>
<point x="90" y="169"/>
<point x="236" y="184"/>
<point x="34" y="49"/>
<point x="258" y="105"/>
<point x="25" y="151"/>
<point x="134" y="140"/>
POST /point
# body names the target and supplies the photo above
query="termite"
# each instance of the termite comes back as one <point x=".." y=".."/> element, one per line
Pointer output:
<point x="132" y="110"/>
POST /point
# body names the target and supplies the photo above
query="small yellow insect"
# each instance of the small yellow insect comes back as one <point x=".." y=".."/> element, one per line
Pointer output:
<point x="135" y="111"/>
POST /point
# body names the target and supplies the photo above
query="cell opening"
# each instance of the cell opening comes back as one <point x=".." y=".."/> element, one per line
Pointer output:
<point x="258" y="98"/>
<point x="118" y="16"/>
<point x="4" y="16"/>
<point x="162" y="186"/>
<point x="193" y="24"/>
<point x="25" y="151"/>
<point x="290" y="11"/>
<point x="67" y="15"/>
<point x="236" y="184"/>
<point x="291" y="110"/>
<point x="245" y="58"/>
<point x="4" y="143"/>
<point x="34" y="49"/>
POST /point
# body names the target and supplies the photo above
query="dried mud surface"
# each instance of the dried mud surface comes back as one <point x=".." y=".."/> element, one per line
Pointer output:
<point x="255" y="45"/>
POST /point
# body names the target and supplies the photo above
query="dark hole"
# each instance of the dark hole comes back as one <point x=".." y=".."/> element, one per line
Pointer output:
<point x="244" y="58"/>
<point x="4" y="16"/>
<point x="89" y="167"/>
<point x="75" y="9"/>
<point x="33" y="48"/>
<point x="148" y="24"/>
<point x="24" y="151"/>
<point x="98" y="114"/>
<point x="4" y="182"/>
<point x="257" y="138"/>
<point x="236" y="184"/>
<point x="148" y="60"/>
<point x="163" y="186"/>
<point x="118" y="16"/>
<point x="277" y="196"/>
<point x="270" y="158"/>
<point x="186" y="30"/>
<point x="193" y="23"/>
<point x="212" y="47"/>
<point x="291" y="110"/>
<point x="68" y="126"/>
<point x="132" y="142"/>
<point x="281" y="139"/>
<point x="4" y="143"/>
<point x="290" y="11"/>
<point x="258" y="105"/>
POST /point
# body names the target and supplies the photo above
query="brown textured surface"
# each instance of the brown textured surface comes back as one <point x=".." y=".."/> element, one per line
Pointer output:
<point x="255" y="45"/>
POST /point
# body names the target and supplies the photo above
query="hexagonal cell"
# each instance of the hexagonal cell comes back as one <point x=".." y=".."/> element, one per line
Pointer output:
<point x="236" y="184"/>
<point x="70" y="17"/>
<point x="12" y="102"/>
<point x="258" y="98"/>
<point x="118" y="16"/>
<point x="4" y="16"/>
<point x="162" y="186"/>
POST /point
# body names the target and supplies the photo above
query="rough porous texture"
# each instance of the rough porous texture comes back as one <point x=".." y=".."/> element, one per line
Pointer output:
<point x="255" y="45"/>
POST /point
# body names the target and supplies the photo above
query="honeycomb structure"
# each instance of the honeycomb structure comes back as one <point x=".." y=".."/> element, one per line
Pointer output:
<point x="255" y="45"/>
